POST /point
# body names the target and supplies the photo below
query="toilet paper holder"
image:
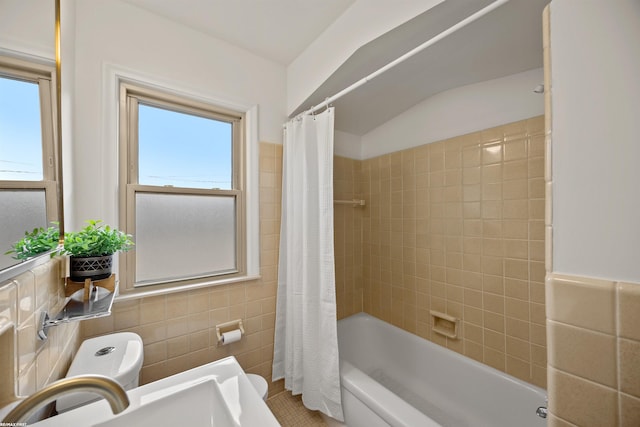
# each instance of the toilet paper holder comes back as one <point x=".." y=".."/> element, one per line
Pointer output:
<point x="229" y="326"/>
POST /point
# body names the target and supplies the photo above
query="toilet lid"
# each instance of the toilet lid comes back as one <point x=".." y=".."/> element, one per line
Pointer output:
<point x="118" y="356"/>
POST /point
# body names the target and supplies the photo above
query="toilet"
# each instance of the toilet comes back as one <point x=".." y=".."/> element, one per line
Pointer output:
<point x="118" y="356"/>
<point x="260" y="384"/>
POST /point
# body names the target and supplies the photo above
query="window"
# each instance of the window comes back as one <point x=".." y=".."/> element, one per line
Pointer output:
<point x="183" y="198"/>
<point x="27" y="150"/>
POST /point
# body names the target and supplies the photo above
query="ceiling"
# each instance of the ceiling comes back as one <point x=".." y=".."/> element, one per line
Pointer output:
<point x="275" y="29"/>
<point x="506" y="41"/>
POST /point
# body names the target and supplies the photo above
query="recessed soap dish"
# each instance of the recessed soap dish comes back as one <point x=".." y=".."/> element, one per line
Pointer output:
<point x="444" y="324"/>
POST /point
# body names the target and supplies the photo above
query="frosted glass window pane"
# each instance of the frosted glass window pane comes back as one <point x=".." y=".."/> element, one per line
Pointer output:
<point x="183" y="150"/>
<point x="22" y="210"/>
<point x="182" y="236"/>
<point x="20" y="131"/>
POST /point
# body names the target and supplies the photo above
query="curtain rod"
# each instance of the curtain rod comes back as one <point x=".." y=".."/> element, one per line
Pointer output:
<point x="406" y="56"/>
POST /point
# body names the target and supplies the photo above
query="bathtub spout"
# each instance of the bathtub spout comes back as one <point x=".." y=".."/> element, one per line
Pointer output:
<point x="542" y="412"/>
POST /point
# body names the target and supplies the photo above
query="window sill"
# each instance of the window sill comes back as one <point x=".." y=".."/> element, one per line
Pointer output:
<point x="149" y="291"/>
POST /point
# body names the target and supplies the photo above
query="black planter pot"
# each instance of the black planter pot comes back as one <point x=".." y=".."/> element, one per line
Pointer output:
<point x="94" y="268"/>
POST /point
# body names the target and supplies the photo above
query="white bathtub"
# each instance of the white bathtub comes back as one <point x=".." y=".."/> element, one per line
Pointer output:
<point x="392" y="377"/>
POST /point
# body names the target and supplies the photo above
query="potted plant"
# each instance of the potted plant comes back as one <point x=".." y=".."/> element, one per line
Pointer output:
<point x="36" y="242"/>
<point x="91" y="250"/>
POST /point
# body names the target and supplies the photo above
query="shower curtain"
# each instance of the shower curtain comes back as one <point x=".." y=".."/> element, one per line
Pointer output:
<point x="306" y="342"/>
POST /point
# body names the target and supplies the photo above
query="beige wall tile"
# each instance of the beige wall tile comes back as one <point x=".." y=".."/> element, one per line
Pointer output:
<point x="37" y="363"/>
<point x="589" y="404"/>
<point x="537" y="313"/>
<point x="27" y="342"/>
<point x="518" y="368"/>
<point x="629" y="357"/>
<point x="517" y="169"/>
<point x="27" y="381"/>
<point x="583" y="302"/>
<point x="515" y="149"/>
<point x="594" y="356"/>
<point x="8" y="348"/>
<point x="473" y="350"/>
<point x="128" y="317"/>
<point x="553" y="421"/>
<point x="572" y="351"/>
<point x="494" y="340"/>
<point x="493" y="303"/>
<point x="518" y="348"/>
<point x="629" y="310"/>
<point x="538" y="355"/>
<point x="177" y="305"/>
<point x="516" y="288"/>
<point x="495" y="359"/>
<point x="155" y="352"/>
<point x="493" y="321"/>
<point x="629" y="411"/>
<point x="26" y="288"/>
<point x="177" y="346"/>
<point x="515" y="229"/>
<point x="153" y="310"/>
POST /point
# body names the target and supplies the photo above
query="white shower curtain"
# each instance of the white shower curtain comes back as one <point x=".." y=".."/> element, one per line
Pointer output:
<point x="306" y="342"/>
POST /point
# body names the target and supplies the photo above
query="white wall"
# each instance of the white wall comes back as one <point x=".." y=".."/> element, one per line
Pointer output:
<point x="112" y="37"/>
<point x="346" y="144"/>
<point x="595" y="87"/>
<point x="68" y="71"/>
<point x="27" y="27"/>
<point x="362" y="22"/>
<point x="457" y="112"/>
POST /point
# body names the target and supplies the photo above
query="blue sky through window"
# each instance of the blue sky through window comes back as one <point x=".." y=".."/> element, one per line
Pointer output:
<point x="183" y="150"/>
<point x="20" y="131"/>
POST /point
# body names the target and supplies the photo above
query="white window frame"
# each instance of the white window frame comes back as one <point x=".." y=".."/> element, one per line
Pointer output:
<point x="247" y="239"/>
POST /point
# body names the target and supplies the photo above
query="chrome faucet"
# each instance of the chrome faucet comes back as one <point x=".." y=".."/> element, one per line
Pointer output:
<point x="543" y="411"/>
<point x="104" y="386"/>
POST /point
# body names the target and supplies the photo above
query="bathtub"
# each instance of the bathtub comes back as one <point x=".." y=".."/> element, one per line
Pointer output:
<point x="393" y="378"/>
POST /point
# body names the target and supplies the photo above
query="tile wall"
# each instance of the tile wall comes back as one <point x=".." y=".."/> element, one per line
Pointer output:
<point x="457" y="226"/>
<point x="347" y="185"/>
<point x="178" y="329"/>
<point x="35" y="363"/>
<point x="594" y="351"/>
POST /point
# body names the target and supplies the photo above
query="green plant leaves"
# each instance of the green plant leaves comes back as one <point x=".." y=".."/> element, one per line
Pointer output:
<point x="38" y="241"/>
<point x="96" y="239"/>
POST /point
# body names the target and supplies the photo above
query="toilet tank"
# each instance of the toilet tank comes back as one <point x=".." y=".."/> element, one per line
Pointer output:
<point x="118" y="356"/>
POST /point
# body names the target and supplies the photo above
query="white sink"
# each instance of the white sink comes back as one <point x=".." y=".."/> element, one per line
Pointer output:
<point x="218" y="394"/>
<point x="203" y="400"/>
